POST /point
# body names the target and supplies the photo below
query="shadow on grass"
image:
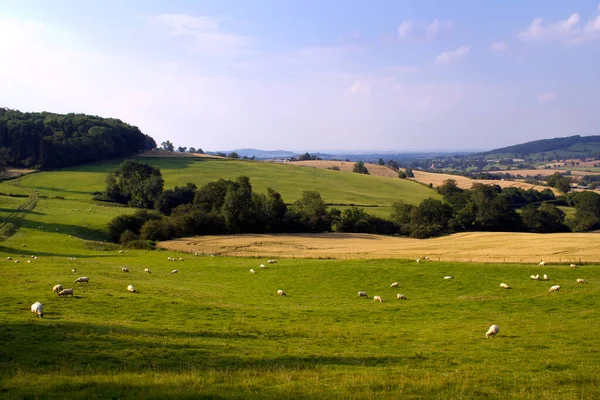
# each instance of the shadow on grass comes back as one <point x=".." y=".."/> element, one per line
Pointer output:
<point x="82" y="232"/>
<point x="11" y="210"/>
<point x="26" y="252"/>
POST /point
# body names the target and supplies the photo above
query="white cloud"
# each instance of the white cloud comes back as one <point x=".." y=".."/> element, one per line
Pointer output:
<point x="598" y="8"/>
<point x="452" y="55"/>
<point x="499" y="46"/>
<point x="359" y="87"/>
<point x="210" y="38"/>
<point x="546" y="97"/>
<point x="419" y="30"/>
<point x="569" y="30"/>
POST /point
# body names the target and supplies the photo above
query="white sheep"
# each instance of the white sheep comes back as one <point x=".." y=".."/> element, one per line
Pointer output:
<point x="281" y="293"/>
<point x="263" y="266"/>
<point x="9" y="258"/>
<point x="581" y="280"/>
<point x="37" y="308"/>
<point x="534" y="277"/>
<point x="16" y="261"/>
<point x="74" y="270"/>
<point x="493" y="331"/>
<point x="180" y="258"/>
<point x="426" y="258"/>
<point x="545" y="278"/>
<point x="377" y="298"/>
<point x="504" y="286"/>
<point x="395" y="284"/>
<point x="174" y="271"/>
<point x="57" y="289"/>
<point x="272" y="261"/>
<point x="66" y="292"/>
<point x="148" y="271"/>
<point x="573" y="266"/>
<point x="169" y="258"/>
<point x="28" y="261"/>
<point x="537" y="277"/>
<point x="418" y="260"/>
<point x="131" y="289"/>
<point x="542" y="263"/>
<point x="448" y="277"/>
<point x="554" y="288"/>
<point x="82" y="279"/>
<point x="362" y="294"/>
<point x="400" y="296"/>
<point x="121" y="251"/>
<point x="174" y="259"/>
<point x="252" y="271"/>
<point x="124" y="269"/>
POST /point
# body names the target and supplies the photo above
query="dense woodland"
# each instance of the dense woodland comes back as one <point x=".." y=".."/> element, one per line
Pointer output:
<point x="231" y="206"/>
<point x="46" y="141"/>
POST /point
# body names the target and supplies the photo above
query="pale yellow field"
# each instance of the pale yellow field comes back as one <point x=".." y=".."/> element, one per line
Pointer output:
<point x="466" y="183"/>
<point x="495" y="247"/>
<point x="543" y="172"/>
<point x="347" y="166"/>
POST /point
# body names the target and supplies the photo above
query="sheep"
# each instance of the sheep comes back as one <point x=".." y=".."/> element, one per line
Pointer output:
<point x="377" y="298"/>
<point x="395" y="284"/>
<point x="252" y="271"/>
<point x="362" y="294"/>
<point x="124" y="269"/>
<point x="545" y="278"/>
<point x="37" y="309"/>
<point x="493" y="331"/>
<point x="28" y="261"/>
<point x="504" y="286"/>
<point x="121" y="251"/>
<point x="537" y="277"/>
<point x="272" y="261"/>
<point x="263" y="266"/>
<point x="180" y="259"/>
<point x="174" y="259"/>
<point x="148" y="271"/>
<point x="174" y="271"/>
<point x="554" y="288"/>
<point x="534" y="277"/>
<point x="131" y="289"/>
<point x="581" y="280"/>
<point x="573" y="266"/>
<point x="66" y="292"/>
<point x="74" y="270"/>
<point x="169" y="258"/>
<point x="448" y="277"/>
<point x="82" y="279"/>
<point x="281" y="293"/>
<point x="418" y="260"/>
<point x="426" y="258"/>
<point x="9" y="258"/>
<point x="542" y="263"/>
<point x="400" y="296"/>
<point x="57" y="289"/>
<point x="16" y="261"/>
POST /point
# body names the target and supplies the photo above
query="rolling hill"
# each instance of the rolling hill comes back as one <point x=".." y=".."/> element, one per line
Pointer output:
<point x="558" y="148"/>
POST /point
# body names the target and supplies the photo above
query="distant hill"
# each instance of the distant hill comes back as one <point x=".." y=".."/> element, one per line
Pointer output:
<point x="567" y="147"/>
<point x="262" y="154"/>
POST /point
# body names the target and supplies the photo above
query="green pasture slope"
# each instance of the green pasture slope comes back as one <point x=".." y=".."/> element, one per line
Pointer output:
<point x="290" y="180"/>
<point x="214" y="330"/>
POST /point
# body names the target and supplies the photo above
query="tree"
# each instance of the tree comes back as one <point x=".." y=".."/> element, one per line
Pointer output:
<point x="401" y="175"/>
<point x="360" y="168"/>
<point x="181" y="149"/>
<point x="134" y="183"/>
<point x="4" y="157"/>
<point x="238" y="206"/>
<point x="192" y="150"/>
<point x="234" y="155"/>
<point x="172" y="198"/>
<point x="167" y="146"/>
<point x="275" y="211"/>
<point x="381" y="162"/>
<point x="313" y="211"/>
<point x="409" y="173"/>
<point x="545" y="219"/>
<point x="200" y="151"/>
<point x="304" y="157"/>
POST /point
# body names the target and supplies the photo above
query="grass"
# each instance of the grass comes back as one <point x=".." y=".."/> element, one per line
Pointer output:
<point x="214" y="330"/>
<point x="289" y="180"/>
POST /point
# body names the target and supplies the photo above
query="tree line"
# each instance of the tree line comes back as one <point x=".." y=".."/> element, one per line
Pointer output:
<point x="46" y="141"/>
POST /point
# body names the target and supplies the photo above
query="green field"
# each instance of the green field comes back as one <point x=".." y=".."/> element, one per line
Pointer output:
<point x="214" y="330"/>
<point x="289" y="180"/>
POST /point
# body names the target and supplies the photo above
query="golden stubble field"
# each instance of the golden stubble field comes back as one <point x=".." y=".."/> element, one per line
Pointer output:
<point x="496" y="247"/>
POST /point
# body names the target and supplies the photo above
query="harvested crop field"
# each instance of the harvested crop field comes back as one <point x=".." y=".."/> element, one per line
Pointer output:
<point x="347" y="166"/>
<point x="542" y="172"/>
<point x="497" y="247"/>
<point x="466" y="183"/>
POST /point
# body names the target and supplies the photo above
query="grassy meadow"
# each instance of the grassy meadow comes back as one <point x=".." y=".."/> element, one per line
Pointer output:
<point x="214" y="330"/>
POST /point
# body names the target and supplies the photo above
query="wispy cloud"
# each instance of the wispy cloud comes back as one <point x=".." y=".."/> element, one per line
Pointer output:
<point x="546" y="97"/>
<point x="569" y="30"/>
<point x="209" y="36"/>
<point x="359" y="87"/>
<point x="452" y="55"/>
<point x="499" y="46"/>
<point x="422" y="30"/>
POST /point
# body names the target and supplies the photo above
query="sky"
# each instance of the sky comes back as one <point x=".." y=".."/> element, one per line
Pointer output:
<point x="311" y="75"/>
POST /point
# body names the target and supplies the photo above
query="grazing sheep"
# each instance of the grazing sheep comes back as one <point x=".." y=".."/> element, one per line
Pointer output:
<point x="57" y="288"/>
<point x="281" y="292"/>
<point x="400" y="296"/>
<point x="74" y="270"/>
<point x="377" y="298"/>
<point x="131" y="289"/>
<point x="148" y="271"/>
<point x="37" y="309"/>
<point x="29" y="261"/>
<point x="16" y="261"/>
<point x="9" y="258"/>
<point x="263" y="266"/>
<point x="395" y="284"/>
<point x="272" y="261"/>
<point x="82" y="279"/>
<point x="542" y="263"/>
<point x="125" y="269"/>
<point x="121" y="251"/>
<point x="426" y="258"/>
<point x="554" y="288"/>
<point x="449" y="277"/>
<point x="174" y="259"/>
<point x="252" y="271"/>
<point x="493" y="331"/>
<point x="174" y="271"/>
<point x="534" y="277"/>
<point x="418" y="260"/>
<point x="169" y="258"/>
<point x="581" y="280"/>
<point x="66" y="292"/>
<point x="573" y="266"/>
<point x="362" y="294"/>
<point x="545" y="278"/>
<point x="504" y="286"/>
<point x="180" y="259"/>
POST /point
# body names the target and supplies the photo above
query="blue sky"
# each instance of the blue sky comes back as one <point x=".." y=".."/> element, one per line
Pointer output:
<point x="311" y="75"/>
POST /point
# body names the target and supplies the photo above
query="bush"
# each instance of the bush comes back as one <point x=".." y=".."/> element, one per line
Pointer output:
<point x="141" y="245"/>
